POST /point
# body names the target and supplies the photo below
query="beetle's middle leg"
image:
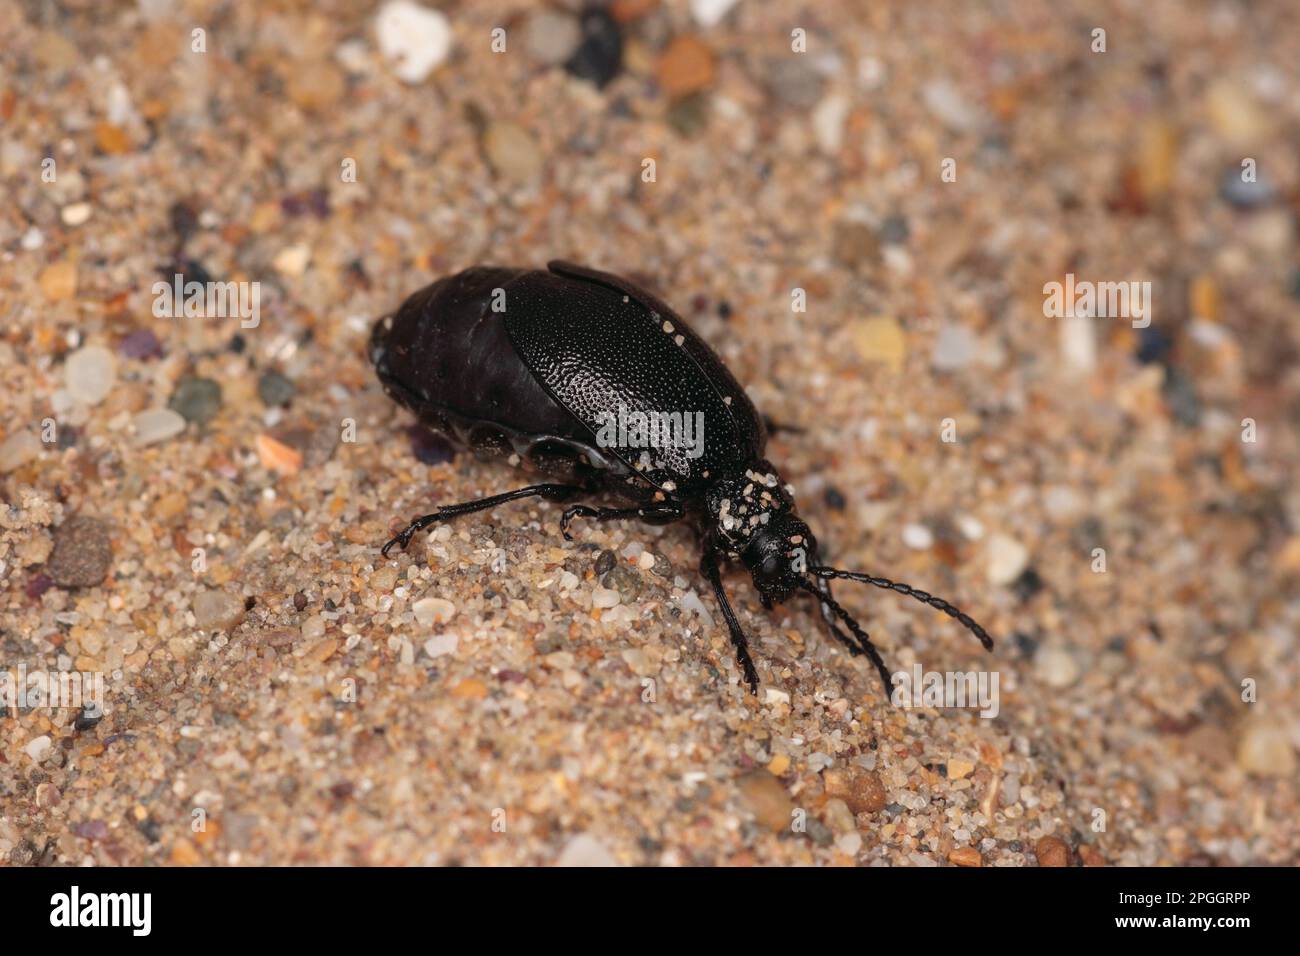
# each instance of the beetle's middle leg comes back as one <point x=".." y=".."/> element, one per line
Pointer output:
<point x="551" y="492"/>
<point x="657" y="514"/>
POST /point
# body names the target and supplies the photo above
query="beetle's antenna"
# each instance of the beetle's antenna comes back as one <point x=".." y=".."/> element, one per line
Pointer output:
<point x="864" y="641"/>
<point x="924" y="597"/>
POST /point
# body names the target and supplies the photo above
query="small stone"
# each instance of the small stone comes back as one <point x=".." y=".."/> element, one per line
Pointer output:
<point x="839" y="817"/>
<point x="828" y="121"/>
<point x="433" y="610"/>
<point x="140" y="344"/>
<point x="82" y="553"/>
<point x="196" y="399"/>
<point x="764" y="797"/>
<point x="1077" y="340"/>
<point x="38" y="748"/>
<point x="274" y="389"/>
<point x="58" y="281"/>
<point x="18" y="449"/>
<point x="315" y="84"/>
<point x="959" y="768"/>
<point x="512" y="152"/>
<point x="47" y="795"/>
<point x="599" y="55"/>
<point x="895" y="230"/>
<point x="471" y="688"/>
<point x="966" y="856"/>
<point x="1265" y="750"/>
<point x="217" y="610"/>
<point x="918" y="537"/>
<point x="278" y="457"/>
<point x="322" y="651"/>
<point x="414" y="38"/>
<point x="1246" y="195"/>
<point x="292" y="260"/>
<point x="89" y="374"/>
<point x="794" y="81"/>
<point x="1052" y="851"/>
<point x="685" y="67"/>
<point x="604" y="597"/>
<point x="32" y="239"/>
<point x="955" y="347"/>
<point x="185" y="854"/>
<point x="880" y="340"/>
<point x="313" y="629"/>
<point x="1056" y="666"/>
<point x="945" y="101"/>
<point x="866" y="793"/>
<point x="1006" y="558"/>
<point x="441" y="645"/>
<point x="625" y="581"/>
<point x="157" y="424"/>
<point x="76" y="214"/>
<point x="689" y="116"/>
<point x="585" y="850"/>
<point x="708" y="13"/>
<point x="1090" y="856"/>
<point x="855" y="244"/>
<point x="550" y="37"/>
<point x="778" y="765"/>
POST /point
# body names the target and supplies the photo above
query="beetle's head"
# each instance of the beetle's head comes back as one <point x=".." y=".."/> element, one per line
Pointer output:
<point x="778" y="556"/>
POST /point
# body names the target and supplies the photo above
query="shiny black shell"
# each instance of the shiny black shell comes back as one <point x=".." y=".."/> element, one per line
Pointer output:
<point x="570" y="347"/>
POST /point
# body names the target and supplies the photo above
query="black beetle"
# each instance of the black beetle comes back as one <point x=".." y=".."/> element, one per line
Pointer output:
<point x="600" y="386"/>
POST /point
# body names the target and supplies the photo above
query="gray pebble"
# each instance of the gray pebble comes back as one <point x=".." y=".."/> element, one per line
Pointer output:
<point x="196" y="399"/>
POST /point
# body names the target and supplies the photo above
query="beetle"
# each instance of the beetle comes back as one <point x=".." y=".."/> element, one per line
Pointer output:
<point x="566" y="370"/>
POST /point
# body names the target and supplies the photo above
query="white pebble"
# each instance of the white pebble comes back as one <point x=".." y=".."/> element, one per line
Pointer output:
<point x="89" y="374"/>
<point x="828" y="122"/>
<point x="157" y="424"/>
<point x="918" y="537"/>
<point x="441" y="645"/>
<point x="433" y="610"/>
<point x="76" y="214"/>
<point x="1056" y="666"/>
<point x="18" y="449"/>
<point x="1007" y="557"/>
<point x="585" y="850"/>
<point x="415" y="38"/>
<point x="708" y="13"/>
<point x="955" y="347"/>
<point x="646" y="561"/>
<point x="33" y="239"/>
<point x="604" y="597"/>
<point x="38" y="747"/>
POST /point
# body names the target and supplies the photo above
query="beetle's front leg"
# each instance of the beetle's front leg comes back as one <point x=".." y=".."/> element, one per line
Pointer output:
<point x="659" y="514"/>
<point x="709" y="565"/>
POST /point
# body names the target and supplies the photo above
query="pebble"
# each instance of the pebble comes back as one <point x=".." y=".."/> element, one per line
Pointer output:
<point x="1056" y="666"/>
<point x="512" y="152"/>
<point x="550" y="37"/>
<point x="1265" y="750"/>
<point x="880" y="340"/>
<point x="433" y="610"/>
<point x="604" y="597"/>
<point x="274" y="389"/>
<point x="828" y="121"/>
<point x="957" y="769"/>
<point x="414" y="38"/>
<point x="709" y="13"/>
<point x="292" y="260"/>
<point x="76" y="214"/>
<point x="861" y="790"/>
<point x="278" y="457"/>
<point x="47" y="795"/>
<point x="58" y="281"/>
<point x="1077" y="341"/>
<point x="38" y="747"/>
<point x="441" y="645"/>
<point x="625" y="581"/>
<point x="140" y="344"/>
<point x="89" y="374"/>
<point x="839" y="817"/>
<point x="918" y="537"/>
<point x="82" y="554"/>
<point x="945" y="101"/>
<point x="196" y="399"/>
<point x="157" y="424"/>
<point x="32" y="239"/>
<point x="1052" y="851"/>
<point x="585" y="850"/>
<point x="794" y="81"/>
<point x="855" y="244"/>
<point x="18" y="449"/>
<point x="849" y="843"/>
<point x="955" y="347"/>
<point x="599" y="55"/>
<point x="764" y="797"/>
<point x="1006" y="558"/>
<point x="217" y="610"/>
<point x="1237" y="192"/>
<point x="965" y="856"/>
<point x="685" y="67"/>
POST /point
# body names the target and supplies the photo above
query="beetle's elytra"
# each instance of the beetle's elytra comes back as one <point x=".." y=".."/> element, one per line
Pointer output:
<point x="602" y="388"/>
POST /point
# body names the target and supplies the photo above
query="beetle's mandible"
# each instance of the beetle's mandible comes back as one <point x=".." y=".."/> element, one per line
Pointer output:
<point x="603" y="389"/>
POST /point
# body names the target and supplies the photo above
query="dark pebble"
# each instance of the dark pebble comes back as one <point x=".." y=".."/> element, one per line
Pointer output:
<point x="86" y="721"/>
<point x="82" y="553"/>
<point x="599" y="56"/>
<point x="429" y="447"/>
<point x="1180" y="396"/>
<point x="1026" y="644"/>
<point x="141" y="344"/>
<point x="299" y="601"/>
<point x="237" y="344"/>
<point x="820" y="833"/>
<point x="91" y="829"/>
<point x="274" y="389"/>
<point x="1028" y="584"/>
<point x="184" y="220"/>
<point x="895" y="231"/>
<point x="662" y="567"/>
<point x="38" y="584"/>
<point x="690" y="116"/>
<point x="196" y="399"/>
<point x="1154" y="345"/>
<point x="605" y="562"/>
<point x="625" y="581"/>
<point x="834" y="498"/>
<point x="1243" y="195"/>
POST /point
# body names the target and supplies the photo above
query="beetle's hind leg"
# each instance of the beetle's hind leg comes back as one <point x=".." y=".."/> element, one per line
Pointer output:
<point x="551" y="492"/>
<point x="658" y="514"/>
